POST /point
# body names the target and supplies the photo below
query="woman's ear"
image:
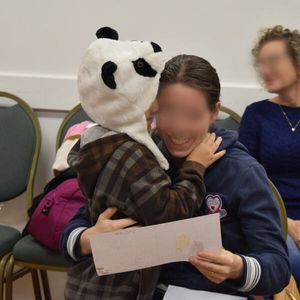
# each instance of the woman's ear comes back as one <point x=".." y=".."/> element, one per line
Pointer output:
<point x="215" y="112"/>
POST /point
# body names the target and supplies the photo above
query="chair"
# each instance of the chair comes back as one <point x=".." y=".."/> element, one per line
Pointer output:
<point x="281" y="207"/>
<point x="30" y="254"/>
<point x="76" y="115"/>
<point x="19" y="151"/>
<point x="228" y="119"/>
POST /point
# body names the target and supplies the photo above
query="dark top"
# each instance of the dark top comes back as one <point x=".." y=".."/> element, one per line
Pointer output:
<point x="268" y="136"/>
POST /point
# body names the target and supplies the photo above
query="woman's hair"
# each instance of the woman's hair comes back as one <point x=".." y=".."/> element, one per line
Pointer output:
<point x="195" y="72"/>
<point x="279" y="33"/>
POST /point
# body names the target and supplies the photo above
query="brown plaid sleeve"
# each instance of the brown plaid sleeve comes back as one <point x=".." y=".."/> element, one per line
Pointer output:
<point x="133" y="182"/>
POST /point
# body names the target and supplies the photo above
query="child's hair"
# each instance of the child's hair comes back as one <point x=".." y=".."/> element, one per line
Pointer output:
<point x="193" y="71"/>
<point x="279" y="33"/>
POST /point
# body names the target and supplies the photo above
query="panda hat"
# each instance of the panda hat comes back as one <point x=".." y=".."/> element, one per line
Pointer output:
<point x="117" y="83"/>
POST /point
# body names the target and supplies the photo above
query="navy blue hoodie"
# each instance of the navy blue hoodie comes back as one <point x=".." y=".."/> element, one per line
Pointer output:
<point x="238" y="188"/>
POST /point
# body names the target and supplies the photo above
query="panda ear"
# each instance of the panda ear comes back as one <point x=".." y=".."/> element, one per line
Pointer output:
<point x="156" y="48"/>
<point x="107" y="74"/>
<point x="107" y="33"/>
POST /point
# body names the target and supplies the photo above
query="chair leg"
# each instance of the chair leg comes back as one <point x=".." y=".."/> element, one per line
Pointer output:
<point x="45" y="283"/>
<point x="9" y="278"/>
<point x="3" y="263"/>
<point x="36" y="284"/>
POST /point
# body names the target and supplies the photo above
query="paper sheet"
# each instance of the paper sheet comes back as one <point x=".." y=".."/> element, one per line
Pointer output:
<point x="179" y="293"/>
<point x="143" y="247"/>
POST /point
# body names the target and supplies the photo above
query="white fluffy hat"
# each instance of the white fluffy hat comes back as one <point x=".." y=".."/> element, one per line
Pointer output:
<point x="117" y="83"/>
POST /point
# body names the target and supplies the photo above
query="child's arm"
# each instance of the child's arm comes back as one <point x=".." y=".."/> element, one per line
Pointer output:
<point x="75" y="238"/>
<point x="145" y="192"/>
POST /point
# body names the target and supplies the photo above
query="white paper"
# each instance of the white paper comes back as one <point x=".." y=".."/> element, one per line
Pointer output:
<point x="143" y="247"/>
<point x="179" y="293"/>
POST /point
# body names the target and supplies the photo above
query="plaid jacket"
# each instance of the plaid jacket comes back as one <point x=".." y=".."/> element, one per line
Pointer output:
<point x="115" y="171"/>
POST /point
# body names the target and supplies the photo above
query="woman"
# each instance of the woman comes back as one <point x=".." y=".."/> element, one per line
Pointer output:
<point x="255" y="260"/>
<point x="270" y="129"/>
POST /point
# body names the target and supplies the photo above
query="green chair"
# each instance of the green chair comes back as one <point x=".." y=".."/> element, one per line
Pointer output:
<point x="30" y="254"/>
<point x="19" y="151"/>
<point x="228" y="119"/>
<point x="76" y="115"/>
<point x="282" y="211"/>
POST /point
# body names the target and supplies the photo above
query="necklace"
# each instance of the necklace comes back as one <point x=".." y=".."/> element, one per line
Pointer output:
<point x="293" y="128"/>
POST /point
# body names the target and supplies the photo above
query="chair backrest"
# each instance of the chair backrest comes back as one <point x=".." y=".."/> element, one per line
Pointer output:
<point x="20" y="141"/>
<point x="282" y="211"/>
<point x="228" y="119"/>
<point x="76" y="115"/>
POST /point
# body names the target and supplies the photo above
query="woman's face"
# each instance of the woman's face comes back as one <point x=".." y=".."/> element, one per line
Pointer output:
<point x="183" y="118"/>
<point x="276" y="67"/>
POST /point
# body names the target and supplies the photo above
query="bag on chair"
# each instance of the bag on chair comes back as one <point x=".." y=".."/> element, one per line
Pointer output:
<point x="53" y="210"/>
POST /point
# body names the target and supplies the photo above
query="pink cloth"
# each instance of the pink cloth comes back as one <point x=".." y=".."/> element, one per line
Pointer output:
<point x="72" y="136"/>
<point x="77" y="129"/>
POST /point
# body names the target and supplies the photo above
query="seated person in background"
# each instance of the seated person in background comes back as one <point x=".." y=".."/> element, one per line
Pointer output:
<point x="119" y="165"/>
<point x="254" y="260"/>
<point x="270" y="129"/>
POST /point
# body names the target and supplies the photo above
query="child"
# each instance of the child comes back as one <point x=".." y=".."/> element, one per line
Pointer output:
<point x="120" y="166"/>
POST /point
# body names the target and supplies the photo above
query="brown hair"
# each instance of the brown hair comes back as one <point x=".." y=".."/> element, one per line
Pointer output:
<point x="195" y="72"/>
<point x="278" y="32"/>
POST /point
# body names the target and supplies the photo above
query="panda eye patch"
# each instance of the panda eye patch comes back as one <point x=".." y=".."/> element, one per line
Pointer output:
<point x="143" y="68"/>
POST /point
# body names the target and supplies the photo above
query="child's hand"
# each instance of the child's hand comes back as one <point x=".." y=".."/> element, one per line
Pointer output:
<point x="104" y="224"/>
<point x="205" y="152"/>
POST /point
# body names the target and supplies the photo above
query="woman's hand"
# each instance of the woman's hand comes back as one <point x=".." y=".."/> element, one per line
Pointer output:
<point x="219" y="267"/>
<point x="294" y="230"/>
<point x="205" y="152"/>
<point x="104" y="224"/>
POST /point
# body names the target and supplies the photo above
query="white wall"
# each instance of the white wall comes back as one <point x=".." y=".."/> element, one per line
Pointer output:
<point x="41" y="42"/>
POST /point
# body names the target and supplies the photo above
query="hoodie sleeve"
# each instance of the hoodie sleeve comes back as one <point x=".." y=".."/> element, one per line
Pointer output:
<point x="133" y="181"/>
<point x="267" y="269"/>
<point x="249" y="131"/>
<point x="69" y="241"/>
<point x="158" y="200"/>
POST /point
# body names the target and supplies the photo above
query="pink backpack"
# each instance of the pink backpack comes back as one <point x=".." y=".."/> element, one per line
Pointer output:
<point x="54" y="211"/>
